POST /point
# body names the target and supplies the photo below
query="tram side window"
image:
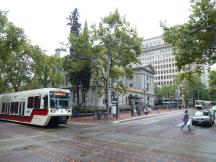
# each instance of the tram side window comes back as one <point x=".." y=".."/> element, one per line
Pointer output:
<point x="23" y="108"/>
<point x="45" y="102"/>
<point x="37" y="102"/>
<point x="3" y="108"/>
<point x="8" y="108"/>
<point x="12" y="108"/>
<point x="30" y="102"/>
<point x="16" y="106"/>
<point x="34" y="102"/>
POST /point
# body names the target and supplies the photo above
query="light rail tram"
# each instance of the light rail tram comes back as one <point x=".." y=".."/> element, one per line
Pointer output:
<point x="43" y="107"/>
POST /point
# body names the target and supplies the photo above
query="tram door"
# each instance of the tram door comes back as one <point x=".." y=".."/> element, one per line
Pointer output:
<point x="21" y="108"/>
<point x="44" y="101"/>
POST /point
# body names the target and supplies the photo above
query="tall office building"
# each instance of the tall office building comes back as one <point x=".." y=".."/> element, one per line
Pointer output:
<point x="159" y="54"/>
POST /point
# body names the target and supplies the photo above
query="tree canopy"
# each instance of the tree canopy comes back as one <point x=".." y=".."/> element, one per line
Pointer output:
<point x="78" y="64"/>
<point x="16" y="56"/>
<point x="115" y="44"/>
<point x="166" y="92"/>
<point x="195" y="41"/>
<point x="117" y="47"/>
<point x="212" y="84"/>
<point x="21" y="63"/>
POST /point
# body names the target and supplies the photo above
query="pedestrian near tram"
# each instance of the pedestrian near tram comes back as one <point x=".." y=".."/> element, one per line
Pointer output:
<point x="186" y="121"/>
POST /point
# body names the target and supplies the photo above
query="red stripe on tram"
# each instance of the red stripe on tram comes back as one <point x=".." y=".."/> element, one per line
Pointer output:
<point x="42" y="112"/>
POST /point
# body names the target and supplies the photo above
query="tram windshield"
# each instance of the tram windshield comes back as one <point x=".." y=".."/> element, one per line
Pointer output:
<point x="59" y="100"/>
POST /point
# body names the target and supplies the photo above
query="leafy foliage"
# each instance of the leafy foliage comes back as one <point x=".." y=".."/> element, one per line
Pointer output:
<point x="212" y="84"/>
<point x="78" y="64"/>
<point x="116" y="43"/>
<point x="166" y="92"/>
<point x="117" y="47"/>
<point x="195" y="41"/>
<point x="22" y="64"/>
<point x="192" y="88"/>
<point x="16" y="58"/>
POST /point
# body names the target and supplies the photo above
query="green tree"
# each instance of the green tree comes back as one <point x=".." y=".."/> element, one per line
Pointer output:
<point x="20" y="62"/>
<point x="166" y="92"/>
<point x="158" y="93"/>
<point x="3" y="50"/>
<point x="212" y="85"/>
<point x="195" y="41"/>
<point x="37" y="67"/>
<point x="78" y="63"/>
<point x="17" y="61"/>
<point x="191" y="88"/>
<point x="53" y="69"/>
<point x="117" y="47"/>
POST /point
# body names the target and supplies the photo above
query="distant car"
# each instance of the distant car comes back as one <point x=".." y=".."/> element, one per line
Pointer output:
<point x="204" y="117"/>
<point x="214" y="108"/>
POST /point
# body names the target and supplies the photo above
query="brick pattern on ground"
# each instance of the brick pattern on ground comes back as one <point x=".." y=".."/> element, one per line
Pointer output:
<point x="123" y="115"/>
<point x="81" y="149"/>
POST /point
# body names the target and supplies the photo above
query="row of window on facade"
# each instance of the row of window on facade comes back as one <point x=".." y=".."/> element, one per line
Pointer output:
<point x="158" y="61"/>
<point x="164" y="77"/>
<point x="167" y="52"/>
<point x="166" y="71"/>
<point x="164" y="83"/>
<point x="164" y="66"/>
<point x="146" y="88"/>
<point x="159" y="66"/>
<point x="145" y="78"/>
<point x="153" y="43"/>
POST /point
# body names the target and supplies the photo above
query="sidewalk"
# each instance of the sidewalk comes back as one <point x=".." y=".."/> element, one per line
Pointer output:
<point x="124" y="116"/>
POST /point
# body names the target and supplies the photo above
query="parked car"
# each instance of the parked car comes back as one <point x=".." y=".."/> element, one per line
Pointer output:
<point x="214" y="108"/>
<point x="204" y="117"/>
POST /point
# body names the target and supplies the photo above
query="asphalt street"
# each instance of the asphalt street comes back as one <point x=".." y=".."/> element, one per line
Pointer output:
<point x="155" y="139"/>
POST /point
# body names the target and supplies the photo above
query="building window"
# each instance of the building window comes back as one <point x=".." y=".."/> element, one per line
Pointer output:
<point x="147" y="88"/>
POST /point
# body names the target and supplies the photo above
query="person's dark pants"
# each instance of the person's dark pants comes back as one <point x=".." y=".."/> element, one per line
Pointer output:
<point x="185" y="123"/>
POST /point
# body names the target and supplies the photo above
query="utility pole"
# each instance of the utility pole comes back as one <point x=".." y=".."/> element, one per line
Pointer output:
<point x="108" y="83"/>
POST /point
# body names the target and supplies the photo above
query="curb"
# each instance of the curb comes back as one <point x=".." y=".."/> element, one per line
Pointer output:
<point x="141" y="117"/>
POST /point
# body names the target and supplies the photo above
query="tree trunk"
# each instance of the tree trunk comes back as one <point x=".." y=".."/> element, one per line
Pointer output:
<point x="78" y="105"/>
<point x="84" y="97"/>
<point x="107" y="100"/>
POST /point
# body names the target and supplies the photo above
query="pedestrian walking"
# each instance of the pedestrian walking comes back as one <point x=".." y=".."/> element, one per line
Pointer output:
<point x="186" y="121"/>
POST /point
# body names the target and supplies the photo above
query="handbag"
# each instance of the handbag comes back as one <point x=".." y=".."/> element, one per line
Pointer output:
<point x="180" y="124"/>
<point x="189" y="122"/>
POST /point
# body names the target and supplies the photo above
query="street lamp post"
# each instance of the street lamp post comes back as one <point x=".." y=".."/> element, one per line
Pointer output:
<point x="108" y="82"/>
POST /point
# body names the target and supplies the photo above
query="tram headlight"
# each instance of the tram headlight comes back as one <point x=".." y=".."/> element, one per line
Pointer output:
<point x="52" y="110"/>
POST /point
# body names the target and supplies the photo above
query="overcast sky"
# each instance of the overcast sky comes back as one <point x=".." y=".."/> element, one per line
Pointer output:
<point x="44" y="21"/>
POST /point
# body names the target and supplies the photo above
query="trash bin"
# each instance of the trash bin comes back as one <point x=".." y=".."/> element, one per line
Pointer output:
<point x="105" y="116"/>
<point x="114" y="108"/>
<point x="77" y="114"/>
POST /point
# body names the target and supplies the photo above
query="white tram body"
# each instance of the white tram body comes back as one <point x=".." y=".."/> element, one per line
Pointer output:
<point x="43" y="107"/>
